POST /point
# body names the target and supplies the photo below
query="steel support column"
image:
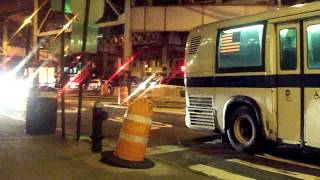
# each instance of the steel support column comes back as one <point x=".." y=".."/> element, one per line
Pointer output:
<point x="5" y="37"/>
<point x="279" y="3"/>
<point x="127" y="51"/>
<point x="35" y="29"/>
<point x="150" y="2"/>
<point x="127" y="46"/>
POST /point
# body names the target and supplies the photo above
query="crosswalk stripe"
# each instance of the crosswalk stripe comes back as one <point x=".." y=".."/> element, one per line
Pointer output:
<point x="273" y="158"/>
<point x="274" y="170"/>
<point x="218" y="173"/>
<point x="165" y="149"/>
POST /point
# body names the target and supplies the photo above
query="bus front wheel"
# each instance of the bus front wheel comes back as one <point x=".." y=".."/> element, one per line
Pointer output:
<point x="243" y="130"/>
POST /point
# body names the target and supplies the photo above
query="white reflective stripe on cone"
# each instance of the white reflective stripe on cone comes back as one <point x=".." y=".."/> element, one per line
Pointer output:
<point x="139" y="119"/>
<point x="133" y="138"/>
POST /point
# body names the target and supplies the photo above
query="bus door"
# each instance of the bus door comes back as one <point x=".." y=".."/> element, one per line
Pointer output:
<point x="289" y="93"/>
<point x="311" y="29"/>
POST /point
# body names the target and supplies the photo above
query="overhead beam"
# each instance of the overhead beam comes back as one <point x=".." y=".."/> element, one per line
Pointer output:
<point x="44" y="20"/>
<point x="110" y="23"/>
<point x="112" y="7"/>
<point x="54" y="32"/>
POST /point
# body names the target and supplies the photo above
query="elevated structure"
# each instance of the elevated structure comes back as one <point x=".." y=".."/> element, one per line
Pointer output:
<point x="184" y="18"/>
<point x="159" y="31"/>
<point x="161" y="26"/>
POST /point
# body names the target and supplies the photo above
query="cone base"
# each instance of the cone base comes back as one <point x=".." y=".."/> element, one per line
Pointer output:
<point x="109" y="158"/>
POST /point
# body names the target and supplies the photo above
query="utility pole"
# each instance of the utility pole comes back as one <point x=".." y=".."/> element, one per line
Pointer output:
<point x="62" y="78"/>
<point x="85" y="33"/>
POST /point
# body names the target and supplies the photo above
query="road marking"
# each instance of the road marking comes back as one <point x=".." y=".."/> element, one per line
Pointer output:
<point x="165" y="149"/>
<point x="156" y="109"/>
<point x="273" y="158"/>
<point x="71" y="110"/>
<point x="74" y="100"/>
<point x="217" y="173"/>
<point x="155" y="125"/>
<point x="85" y="138"/>
<point x="274" y="170"/>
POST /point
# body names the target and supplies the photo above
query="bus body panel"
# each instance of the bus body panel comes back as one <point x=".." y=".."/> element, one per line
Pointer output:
<point x="312" y="95"/>
<point x="280" y="112"/>
<point x="312" y="117"/>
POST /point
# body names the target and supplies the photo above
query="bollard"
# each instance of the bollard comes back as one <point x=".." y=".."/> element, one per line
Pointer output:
<point x="98" y="116"/>
<point x="133" y="138"/>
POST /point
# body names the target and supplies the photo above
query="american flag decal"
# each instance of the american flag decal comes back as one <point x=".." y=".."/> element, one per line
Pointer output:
<point x="230" y="43"/>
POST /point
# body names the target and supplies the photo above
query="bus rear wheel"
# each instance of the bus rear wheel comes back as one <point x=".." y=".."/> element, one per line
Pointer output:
<point x="242" y="130"/>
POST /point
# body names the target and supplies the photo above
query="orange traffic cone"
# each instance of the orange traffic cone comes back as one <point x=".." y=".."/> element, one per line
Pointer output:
<point x="134" y="135"/>
<point x="105" y="89"/>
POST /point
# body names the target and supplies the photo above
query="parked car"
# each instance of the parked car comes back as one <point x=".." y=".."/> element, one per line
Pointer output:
<point x="72" y="85"/>
<point x="108" y="87"/>
<point x="169" y="88"/>
<point x="94" y="84"/>
<point x="131" y="80"/>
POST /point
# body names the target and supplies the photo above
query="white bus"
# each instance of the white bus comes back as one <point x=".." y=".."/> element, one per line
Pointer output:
<point x="257" y="77"/>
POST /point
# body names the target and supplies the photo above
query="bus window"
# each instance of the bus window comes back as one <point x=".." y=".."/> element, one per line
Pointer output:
<point x="288" y="49"/>
<point x="240" y="47"/>
<point x="313" y="33"/>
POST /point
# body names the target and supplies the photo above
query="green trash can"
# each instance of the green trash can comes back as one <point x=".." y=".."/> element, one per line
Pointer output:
<point x="42" y="106"/>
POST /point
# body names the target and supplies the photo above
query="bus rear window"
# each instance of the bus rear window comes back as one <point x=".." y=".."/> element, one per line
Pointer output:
<point x="313" y="38"/>
<point x="240" y="47"/>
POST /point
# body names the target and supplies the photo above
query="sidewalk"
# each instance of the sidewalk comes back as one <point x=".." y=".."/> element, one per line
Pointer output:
<point x="49" y="157"/>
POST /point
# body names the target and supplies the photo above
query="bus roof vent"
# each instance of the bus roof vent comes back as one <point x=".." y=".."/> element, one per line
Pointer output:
<point x="194" y="44"/>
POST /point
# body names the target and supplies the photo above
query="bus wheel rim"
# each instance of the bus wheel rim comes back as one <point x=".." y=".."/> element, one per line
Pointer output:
<point x="237" y="129"/>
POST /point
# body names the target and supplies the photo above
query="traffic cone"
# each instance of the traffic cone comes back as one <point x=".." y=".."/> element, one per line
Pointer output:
<point x="134" y="135"/>
<point x="123" y="94"/>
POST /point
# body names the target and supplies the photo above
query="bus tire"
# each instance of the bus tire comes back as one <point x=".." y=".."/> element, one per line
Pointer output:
<point x="243" y="133"/>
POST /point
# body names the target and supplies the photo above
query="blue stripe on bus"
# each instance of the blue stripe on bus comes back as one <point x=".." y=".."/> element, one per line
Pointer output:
<point x="256" y="81"/>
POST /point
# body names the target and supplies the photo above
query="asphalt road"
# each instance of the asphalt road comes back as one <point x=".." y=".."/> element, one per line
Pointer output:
<point x="202" y="152"/>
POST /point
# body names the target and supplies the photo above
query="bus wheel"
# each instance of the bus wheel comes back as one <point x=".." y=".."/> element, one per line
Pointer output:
<point x="243" y="130"/>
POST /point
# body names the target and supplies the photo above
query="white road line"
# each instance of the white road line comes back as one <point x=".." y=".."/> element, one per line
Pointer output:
<point x="165" y="149"/>
<point x="274" y="170"/>
<point x="217" y="173"/>
<point x="74" y="100"/>
<point x="273" y="158"/>
<point x="72" y="110"/>
<point x="155" y="125"/>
